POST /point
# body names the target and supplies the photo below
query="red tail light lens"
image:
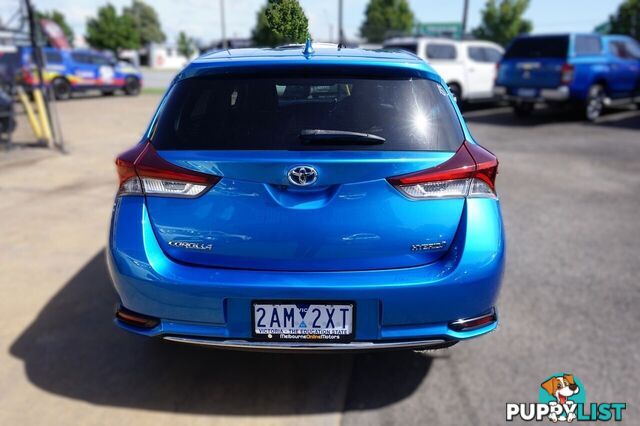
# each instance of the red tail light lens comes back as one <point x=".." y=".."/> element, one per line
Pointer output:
<point x="566" y="73"/>
<point x="135" y="319"/>
<point x="486" y="164"/>
<point x="471" y="172"/>
<point x="27" y="76"/>
<point x="143" y="171"/>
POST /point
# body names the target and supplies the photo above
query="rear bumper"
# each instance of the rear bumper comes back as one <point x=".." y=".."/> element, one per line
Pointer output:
<point x="409" y="307"/>
<point x="543" y="95"/>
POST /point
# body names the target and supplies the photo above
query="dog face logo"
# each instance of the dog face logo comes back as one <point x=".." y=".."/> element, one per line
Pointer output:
<point x="561" y="388"/>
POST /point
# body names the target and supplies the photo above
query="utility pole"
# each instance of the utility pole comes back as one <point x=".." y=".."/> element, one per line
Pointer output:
<point x="35" y="48"/>
<point x="225" y="45"/>
<point x="341" y="39"/>
<point x="464" y="17"/>
<point x="43" y="91"/>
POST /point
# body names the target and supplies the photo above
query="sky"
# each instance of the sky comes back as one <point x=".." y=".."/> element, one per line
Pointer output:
<point x="201" y="18"/>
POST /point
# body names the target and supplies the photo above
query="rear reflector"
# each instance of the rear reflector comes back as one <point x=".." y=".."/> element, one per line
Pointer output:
<point x="143" y="171"/>
<point x="471" y="172"/>
<point x="475" y="322"/>
<point x="135" y="319"/>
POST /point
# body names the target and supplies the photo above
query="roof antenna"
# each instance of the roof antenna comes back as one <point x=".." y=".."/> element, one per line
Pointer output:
<point x="308" y="48"/>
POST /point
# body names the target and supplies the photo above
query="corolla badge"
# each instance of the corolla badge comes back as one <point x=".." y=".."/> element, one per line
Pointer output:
<point x="191" y="245"/>
<point x="302" y="175"/>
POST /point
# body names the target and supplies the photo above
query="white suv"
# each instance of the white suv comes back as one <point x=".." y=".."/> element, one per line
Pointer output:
<point x="468" y="66"/>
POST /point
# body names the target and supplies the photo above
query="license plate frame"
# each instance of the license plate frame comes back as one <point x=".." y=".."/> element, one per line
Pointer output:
<point x="527" y="93"/>
<point x="315" y="338"/>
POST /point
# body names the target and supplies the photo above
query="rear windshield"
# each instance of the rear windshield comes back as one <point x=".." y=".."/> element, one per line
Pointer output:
<point x="538" y="47"/>
<point x="227" y="113"/>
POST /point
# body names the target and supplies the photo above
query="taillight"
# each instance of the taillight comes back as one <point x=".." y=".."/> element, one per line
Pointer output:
<point x="143" y="171"/>
<point x="566" y="73"/>
<point x="27" y="76"/>
<point x="471" y="172"/>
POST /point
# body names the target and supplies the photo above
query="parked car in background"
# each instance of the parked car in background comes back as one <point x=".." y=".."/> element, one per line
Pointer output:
<point x="584" y="71"/>
<point x="624" y="54"/>
<point x="468" y="66"/>
<point x="8" y="65"/>
<point x="7" y="120"/>
<point x="78" y="70"/>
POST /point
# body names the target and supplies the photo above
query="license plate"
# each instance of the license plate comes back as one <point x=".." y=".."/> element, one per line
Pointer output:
<point x="527" y="93"/>
<point x="303" y="321"/>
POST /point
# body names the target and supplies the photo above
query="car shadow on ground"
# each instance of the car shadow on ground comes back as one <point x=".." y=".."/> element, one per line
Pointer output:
<point x="503" y="116"/>
<point x="73" y="349"/>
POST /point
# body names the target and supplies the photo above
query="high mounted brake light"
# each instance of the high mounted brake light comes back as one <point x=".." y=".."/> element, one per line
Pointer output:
<point x="143" y="171"/>
<point x="471" y="172"/>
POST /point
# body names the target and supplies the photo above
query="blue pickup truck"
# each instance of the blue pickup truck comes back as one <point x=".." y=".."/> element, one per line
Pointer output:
<point x="585" y="71"/>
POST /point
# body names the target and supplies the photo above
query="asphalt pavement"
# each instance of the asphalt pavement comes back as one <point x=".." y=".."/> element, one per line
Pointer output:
<point x="570" y="198"/>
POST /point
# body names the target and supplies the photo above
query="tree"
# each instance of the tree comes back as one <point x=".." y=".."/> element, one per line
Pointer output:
<point x="58" y="18"/>
<point x="262" y="34"/>
<point x="185" y="45"/>
<point x="385" y="16"/>
<point x="502" y="22"/>
<point x="281" y="22"/>
<point x="627" y="19"/>
<point x="112" y="31"/>
<point x="146" y="21"/>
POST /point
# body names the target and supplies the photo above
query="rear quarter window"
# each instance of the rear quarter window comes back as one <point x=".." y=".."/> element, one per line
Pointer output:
<point x="588" y="45"/>
<point x="492" y="55"/>
<point x="441" y="51"/>
<point x="476" y="53"/>
<point x="271" y="113"/>
<point x="538" y="47"/>
<point x="484" y="54"/>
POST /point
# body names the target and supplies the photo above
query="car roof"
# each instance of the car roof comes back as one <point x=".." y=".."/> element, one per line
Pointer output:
<point x="616" y="37"/>
<point x="320" y="50"/>
<point x="558" y="35"/>
<point x="63" y="51"/>
<point x="323" y="54"/>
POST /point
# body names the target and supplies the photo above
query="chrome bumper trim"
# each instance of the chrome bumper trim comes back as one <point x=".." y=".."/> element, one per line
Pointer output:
<point x="298" y="346"/>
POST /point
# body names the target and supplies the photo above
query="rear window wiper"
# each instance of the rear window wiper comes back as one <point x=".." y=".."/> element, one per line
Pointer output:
<point x="331" y="137"/>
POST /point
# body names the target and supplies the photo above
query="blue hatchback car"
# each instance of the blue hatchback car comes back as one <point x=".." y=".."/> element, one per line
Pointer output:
<point x="309" y="199"/>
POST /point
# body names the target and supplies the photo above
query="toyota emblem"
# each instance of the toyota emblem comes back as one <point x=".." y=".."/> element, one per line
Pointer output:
<point x="302" y="175"/>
